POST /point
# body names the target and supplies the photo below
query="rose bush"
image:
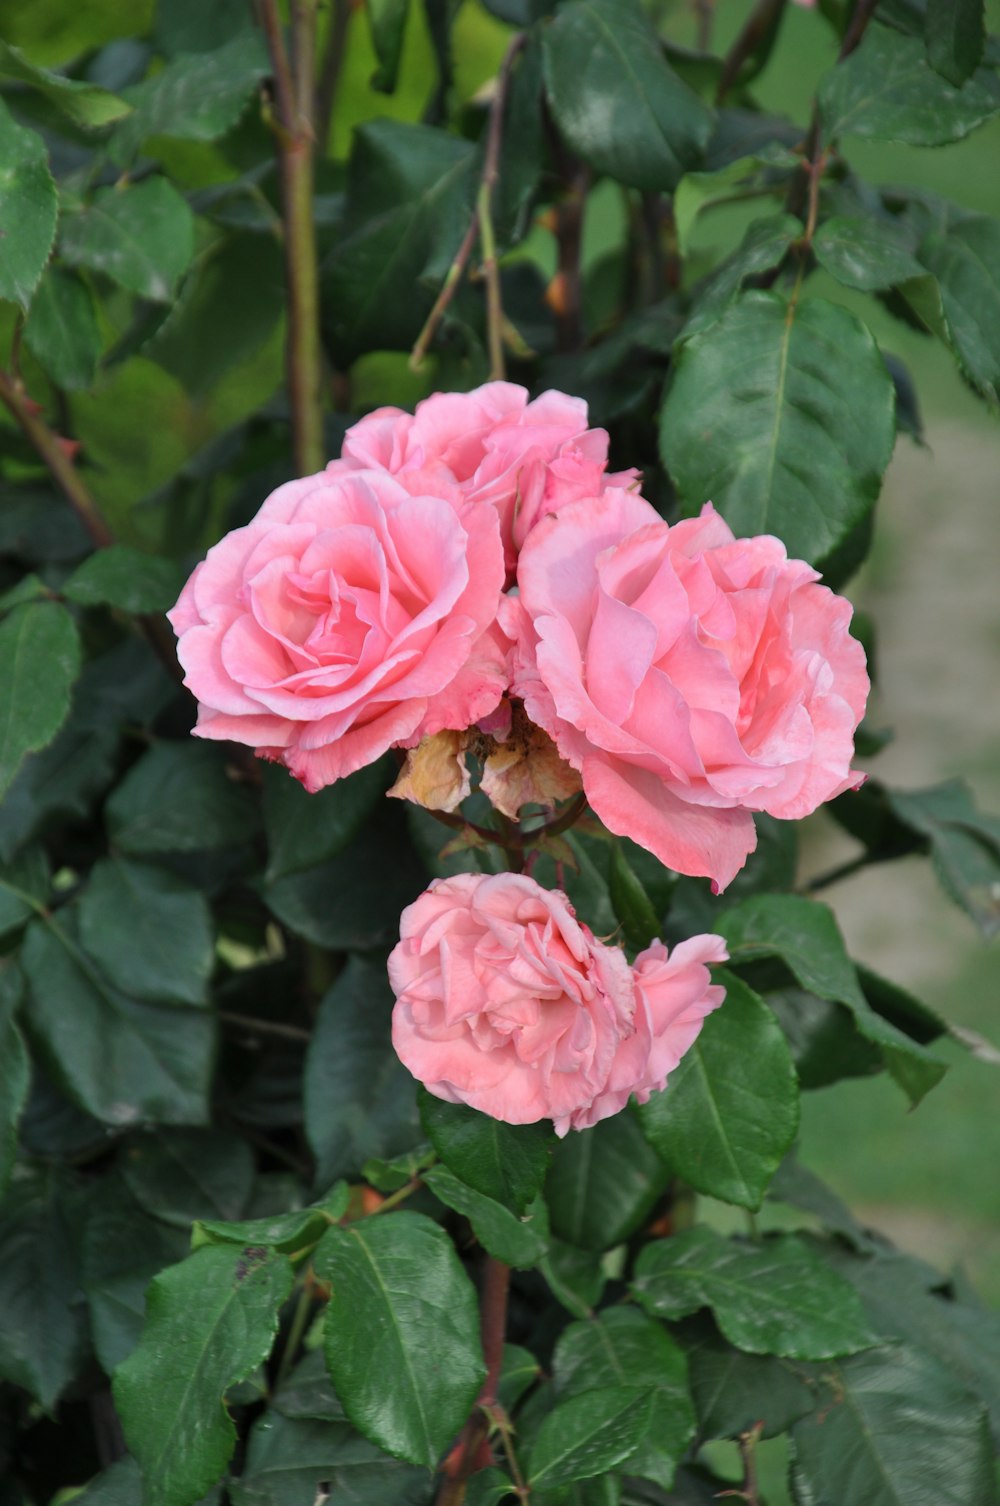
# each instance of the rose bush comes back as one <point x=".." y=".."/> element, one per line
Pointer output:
<point x="349" y="616"/>
<point x="691" y="677"/>
<point x="507" y="1003"/>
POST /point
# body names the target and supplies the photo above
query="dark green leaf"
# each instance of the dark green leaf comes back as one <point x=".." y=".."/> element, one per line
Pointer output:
<point x="955" y="34"/>
<point x="15" y="1072"/>
<point x="42" y="1336"/>
<point x="85" y="104"/>
<point x="731" y="1108"/>
<point x="304" y="830"/>
<point x="521" y="147"/>
<point x="505" y="1162"/>
<point x="804" y="935"/>
<point x="288" y="1232"/>
<point x="514" y="1241"/>
<point x="177" y="798"/>
<point x="864" y="253"/>
<point x="292" y="1462"/>
<point x="775" y="1296"/>
<point x="734" y="1391"/>
<point x="210" y="1321"/>
<point x="141" y="236"/>
<point x="191" y="26"/>
<point x="489" y="1487"/>
<point x="966" y="263"/>
<point x="797" y="1186"/>
<point x="623" y="1347"/>
<point x="575" y="1277"/>
<point x="24" y="888"/>
<point x="39" y="662"/>
<point x="766" y="400"/>
<point x="632" y="904"/>
<point x="762" y="248"/>
<point x="888" y="89"/>
<point x="387" y="19"/>
<point x="198" y="97"/>
<point x="122" y="577"/>
<point x="360" y="1101"/>
<point x="604" y="1183"/>
<point x="389" y="1175"/>
<point x="183" y="1175"/>
<point x="894" y="1429"/>
<point x="62" y="331"/>
<point x="122" y="1060"/>
<point x="614" y="97"/>
<point x="409" y="200"/>
<point x="519" y="1373"/>
<point x="588" y="1435"/>
<point x="768" y="168"/>
<point x="148" y="932"/>
<point x="28" y="210"/>
<point x="308" y="1392"/>
<point x="401" y="1306"/>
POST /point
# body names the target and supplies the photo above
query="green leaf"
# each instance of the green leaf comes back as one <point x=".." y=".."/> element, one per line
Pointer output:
<point x="489" y="1487"/>
<point x="623" y="1347"/>
<point x="360" y="1101"/>
<point x="308" y="1392"/>
<point x="122" y="577"/>
<point x="775" y="1296"/>
<point x="304" y="830"/>
<point x="769" y="167"/>
<point x="887" y="89"/>
<point x="514" y="1241"/>
<point x="588" y="1435"/>
<point x="197" y="96"/>
<point x="15" y="1072"/>
<point x="291" y="1233"/>
<point x="614" y="97"/>
<point x="864" y="253"/>
<point x="804" y="935"/>
<point x="387" y="19"/>
<point x="39" y="663"/>
<point x="43" y="1333"/>
<point x="401" y="1307"/>
<point x="187" y="1174"/>
<point x="632" y="904"/>
<point x="148" y="932"/>
<point x="955" y="36"/>
<point x="120" y="1059"/>
<point x="762" y="248"/>
<point x="894" y="1429"/>
<point x="62" y="331"/>
<point x="85" y="104"/>
<point x="292" y="1462"/>
<point x="731" y="1108"/>
<point x="575" y="1277"/>
<point x="966" y="263"/>
<point x="140" y="235"/>
<point x="734" y="1391"/>
<point x="604" y="1183"/>
<point x="522" y="150"/>
<point x="799" y="1187"/>
<point x="25" y="883"/>
<point x="505" y="1162"/>
<point x="177" y="798"/>
<point x="28" y="209"/>
<point x="782" y="413"/>
<point x="210" y="1322"/>
<point x="389" y="1175"/>
<point x="409" y="194"/>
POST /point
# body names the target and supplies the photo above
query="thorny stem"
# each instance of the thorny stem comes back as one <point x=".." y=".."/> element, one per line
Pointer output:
<point x="481" y="225"/>
<point x="493" y="1325"/>
<point x="295" y="145"/>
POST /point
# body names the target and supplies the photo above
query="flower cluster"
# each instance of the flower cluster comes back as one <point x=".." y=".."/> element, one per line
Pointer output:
<point x="507" y="1003"/>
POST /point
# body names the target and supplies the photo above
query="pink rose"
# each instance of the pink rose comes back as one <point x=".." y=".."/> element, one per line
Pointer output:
<point x="490" y="445"/>
<point x="689" y="676"/>
<point x="505" y="1002"/>
<point x="347" y="618"/>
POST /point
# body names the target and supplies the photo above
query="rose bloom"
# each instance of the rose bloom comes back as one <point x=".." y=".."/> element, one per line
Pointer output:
<point x="491" y="446"/>
<point x="690" y="677"/>
<point x="348" y="617"/>
<point x="505" y="1002"/>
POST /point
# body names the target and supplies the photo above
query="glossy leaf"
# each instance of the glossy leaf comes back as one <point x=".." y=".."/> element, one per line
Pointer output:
<point x="401" y="1306"/>
<point x="966" y="263"/>
<point x="121" y="1059"/>
<point x="141" y="236"/>
<point x="15" y="1071"/>
<point x="734" y="1391"/>
<point x="505" y="1162"/>
<point x="360" y="1101"/>
<point x="122" y="577"/>
<point x="291" y="1233"/>
<point x="864" y="253"/>
<point x="197" y="96"/>
<point x="763" y="247"/>
<point x="62" y="331"/>
<point x="177" y="798"/>
<point x="887" y="89"/>
<point x="210" y="1321"/>
<point x="623" y="1347"/>
<point x="85" y="104"/>
<point x="183" y="1175"/>
<point x="149" y="932"/>
<point x="589" y="1434"/>
<point x="767" y="399"/>
<point x="28" y="210"/>
<point x="603" y="1183"/>
<point x="775" y="1296"/>
<point x="514" y="1241"/>
<point x="39" y="662"/>
<point x="730" y="1110"/>
<point x="632" y="904"/>
<point x="292" y="1461"/>
<point x="617" y="102"/>
<point x="955" y="34"/>
<point x="304" y="830"/>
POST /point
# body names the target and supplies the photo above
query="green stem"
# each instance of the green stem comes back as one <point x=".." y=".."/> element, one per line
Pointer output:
<point x="841" y="871"/>
<point x="296" y="1333"/>
<point x="400" y="1196"/>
